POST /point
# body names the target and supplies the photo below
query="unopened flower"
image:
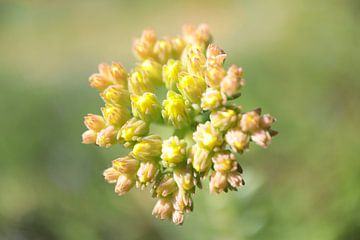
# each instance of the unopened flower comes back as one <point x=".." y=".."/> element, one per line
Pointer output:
<point x="207" y="128"/>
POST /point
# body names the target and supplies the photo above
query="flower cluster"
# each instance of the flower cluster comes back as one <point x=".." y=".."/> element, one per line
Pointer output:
<point x="208" y="128"/>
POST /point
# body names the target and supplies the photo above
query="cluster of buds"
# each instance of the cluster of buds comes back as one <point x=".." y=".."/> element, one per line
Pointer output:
<point x="209" y="129"/>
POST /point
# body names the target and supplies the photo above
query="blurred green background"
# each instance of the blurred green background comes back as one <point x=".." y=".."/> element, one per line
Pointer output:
<point x="302" y="64"/>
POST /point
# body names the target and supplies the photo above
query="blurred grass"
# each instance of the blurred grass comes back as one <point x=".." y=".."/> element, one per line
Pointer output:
<point x="301" y="63"/>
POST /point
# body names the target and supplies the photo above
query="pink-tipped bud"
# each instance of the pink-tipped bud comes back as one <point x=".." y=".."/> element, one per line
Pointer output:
<point x="163" y="209"/>
<point x="89" y="137"/>
<point x="261" y="138"/>
<point x="99" y="81"/>
<point x="94" y="122"/>
<point x="124" y="184"/>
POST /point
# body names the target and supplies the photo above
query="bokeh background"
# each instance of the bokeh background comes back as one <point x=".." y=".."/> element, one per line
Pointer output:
<point x="301" y="60"/>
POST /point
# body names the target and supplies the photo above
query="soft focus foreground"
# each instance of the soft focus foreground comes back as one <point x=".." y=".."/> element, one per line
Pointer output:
<point x="300" y="59"/>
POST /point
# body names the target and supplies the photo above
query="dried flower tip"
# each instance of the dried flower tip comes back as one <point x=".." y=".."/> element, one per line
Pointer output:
<point x="116" y="95"/>
<point x="207" y="136"/>
<point x="176" y="111"/>
<point x="261" y="138"/>
<point x="148" y="148"/>
<point x="115" y="115"/>
<point x="223" y="119"/>
<point x="146" y="106"/>
<point x="106" y="137"/>
<point x="250" y="121"/>
<point x="224" y="161"/>
<point x="99" y="81"/>
<point x="140" y="83"/>
<point x="133" y="129"/>
<point x="119" y="75"/>
<point x="124" y="184"/>
<point x="184" y="178"/>
<point x="147" y="172"/>
<point x="166" y="187"/>
<point x="94" y="122"/>
<point x="191" y="87"/>
<point x="126" y="165"/>
<point x="111" y="175"/>
<point x="163" y="209"/>
<point x="162" y="50"/>
<point x="237" y="140"/>
<point x="89" y="137"/>
<point x="212" y="99"/>
<point x="170" y="73"/>
<point x="153" y="70"/>
<point x="200" y="158"/>
<point x="173" y="150"/>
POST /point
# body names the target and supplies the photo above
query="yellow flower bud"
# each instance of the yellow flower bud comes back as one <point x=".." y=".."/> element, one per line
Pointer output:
<point x="119" y="74"/>
<point x="194" y="60"/>
<point x="212" y="99"/>
<point x="207" y="136"/>
<point x="176" y="111"/>
<point x="140" y="83"/>
<point x="153" y="70"/>
<point x="162" y="50"/>
<point x="116" y="115"/>
<point x="133" y="129"/>
<point x="94" y="122"/>
<point x="89" y="137"/>
<point x="111" y="175"/>
<point x="99" y="81"/>
<point x="106" y="137"/>
<point x="173" y="150"/>
<point x="124" y="184"/>
<point x="214" y="75"/>
<point x="126" y="165"/>
<point x="146" y="106"/>
<point x="224" y="161"/>
<point x="177" y="45"/>
<point x="250" y="121"/>
<point x="166" y="187"/>
<point x="200" y="158"/>
<point x="184" y="178"/>
<point x="116" y="95"/>
<point x="223" y="118"/>
<point x="147" y="172"/>
<point x="148" y="148"/>
<point x="191" y="87"/>
<point x="170" y="73"/>
<point x="163" y="209"/>
<point x="237" y="140"/>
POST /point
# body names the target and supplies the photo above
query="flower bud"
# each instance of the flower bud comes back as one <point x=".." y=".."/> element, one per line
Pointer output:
<point x="126" y="165"/>
<point x="232" y="82"/>
<point x="237" y="140"/>
<point x="105" y="70"/>
<point x="191" y="87"/>
<point x="178" y="217"/>
<point x="176" y="111"/>
<point x="146" y="106"/>
<point x="111" y="175"/>
<point x="212" y="99"/>
<point x="218" y="182"/>
<point x="173" y="150"/>
<point x="99" y="81"/>
<point x="115" y="115"/>
<point x="106" y="137"/>
<point x="163" y="209"/>
<point x="261" y="138"/>
<point x="182" y="201"/>
<point x="143" y="47"/>
<point x="166" y="187"/>
<point x="184" y="178"/>
<point x="213" y="51"/>
<point x="207" y="136"/>
<point x="124" y="184"/>
<point x="177" y="46"/>
<point x="153" y="70"/>
<point x="203" y="35"/>
<point x="147" y="172"/>
<point x="194" y="59"/>
<point x="119" y="75"/>
<point x="200" y="158"/>
<point x="94" y="122"/>
<point x="133" y="129"/>
<point x="214" y="75"/>
<point x="140" y="83"/>
<point x="223" y="118"/>
<point x="89" y="137"/>
<point x="235" y="179"/>
<point x="170" y="73"/>
<point x="266" y="121"/>
<point x="116" y="95"/>
<point x="224" y="161"/>
<point x="162" y="51"/>
<point x="250" y="121"/>
<point x="148" y="148"/>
